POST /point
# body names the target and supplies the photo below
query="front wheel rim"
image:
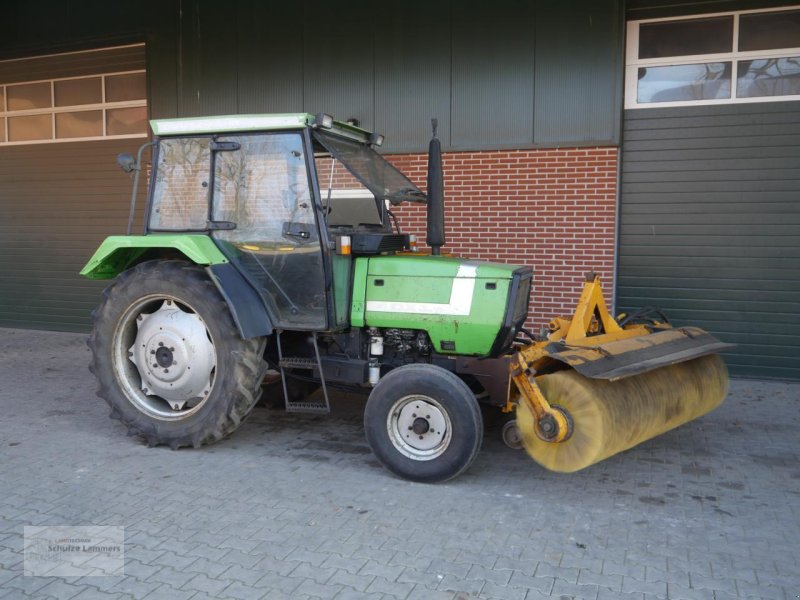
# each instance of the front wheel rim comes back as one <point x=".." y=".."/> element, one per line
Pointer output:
<point x="164" y="357"/>
<point x="419" y="427"/>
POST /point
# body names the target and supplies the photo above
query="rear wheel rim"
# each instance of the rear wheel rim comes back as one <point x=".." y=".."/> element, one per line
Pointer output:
<point x="164" y="357"/>
<point x="419" y="427"/>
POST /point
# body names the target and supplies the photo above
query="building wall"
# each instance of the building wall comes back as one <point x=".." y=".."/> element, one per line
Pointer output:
<point x="553" y="210"/>
<point x="509" y="74"/>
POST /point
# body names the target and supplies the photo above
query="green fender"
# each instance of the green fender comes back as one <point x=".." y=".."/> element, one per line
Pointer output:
<point x="118" y="252"/>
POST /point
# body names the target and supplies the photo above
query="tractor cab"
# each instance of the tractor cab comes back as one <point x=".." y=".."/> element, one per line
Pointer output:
<point x="289" y="208"/>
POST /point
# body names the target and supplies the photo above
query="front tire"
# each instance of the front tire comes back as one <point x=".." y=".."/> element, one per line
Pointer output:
<point x="423" y="423"/>
<point x="156" y="323"/>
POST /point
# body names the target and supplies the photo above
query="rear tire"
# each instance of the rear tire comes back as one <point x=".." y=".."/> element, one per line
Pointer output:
<point x="155" y="322"/>
<point x="423" y="423"/>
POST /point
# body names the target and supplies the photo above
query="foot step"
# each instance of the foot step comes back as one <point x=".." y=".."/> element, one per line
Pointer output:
<point x="308" y="407"/>
<point x="301" y="406"/>
<point x="290" y="362"/>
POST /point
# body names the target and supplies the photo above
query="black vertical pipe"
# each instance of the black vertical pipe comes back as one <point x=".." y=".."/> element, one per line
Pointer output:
<point x="435" y="232"/>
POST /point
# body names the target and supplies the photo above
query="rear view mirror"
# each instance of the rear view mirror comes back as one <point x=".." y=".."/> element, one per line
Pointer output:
<point x="126" y="162"/>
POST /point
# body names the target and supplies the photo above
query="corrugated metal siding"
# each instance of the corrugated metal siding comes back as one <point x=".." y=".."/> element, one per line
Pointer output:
<point x="710" y="226"/>
<point x="57" y="203"/>
<point x="393" y="66"/>
<point x="507" y="74"/>
<point x="32" y="28"/>
<point x="657" y="9"/>
<point x="207" y="69"/>
<point x="163" y="58"/>
<point x="338" y="66"/>
<point x="412" y="73"/>
<point x="270" y="75"/>
<point x="72" y="65"/>
<point x="578" y="72"/>
<point x="493" y="71"/>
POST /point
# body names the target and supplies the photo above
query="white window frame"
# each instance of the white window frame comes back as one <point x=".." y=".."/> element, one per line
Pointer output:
<point x="53" y="110"/>
<point x="633" y="63"/>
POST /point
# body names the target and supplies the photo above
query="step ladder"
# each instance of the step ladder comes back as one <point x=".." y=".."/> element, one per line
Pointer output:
<point x="292" y="362"/>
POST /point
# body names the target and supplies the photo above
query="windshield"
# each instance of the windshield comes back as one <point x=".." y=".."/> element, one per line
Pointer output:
<point x="382" y="179"/>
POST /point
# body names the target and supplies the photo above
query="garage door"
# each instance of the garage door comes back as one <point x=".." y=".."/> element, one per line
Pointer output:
<point x="710" y="226"/>
<point x="64" y="119"/>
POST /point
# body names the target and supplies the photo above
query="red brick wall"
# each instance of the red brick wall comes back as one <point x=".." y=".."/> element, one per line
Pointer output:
<point x="551" y="209"/>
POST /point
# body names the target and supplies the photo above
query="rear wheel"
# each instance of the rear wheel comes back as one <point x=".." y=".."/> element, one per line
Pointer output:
<point x="169" y="359"/>
<point x="423" y="423"/>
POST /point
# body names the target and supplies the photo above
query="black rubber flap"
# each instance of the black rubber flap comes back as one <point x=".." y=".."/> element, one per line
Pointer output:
<point x="632" y="356"/>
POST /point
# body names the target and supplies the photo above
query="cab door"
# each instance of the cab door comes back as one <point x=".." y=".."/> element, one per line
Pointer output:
<point x="261" y="190"/>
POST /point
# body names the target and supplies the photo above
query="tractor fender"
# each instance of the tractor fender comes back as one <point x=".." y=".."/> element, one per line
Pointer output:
<point x="119" y="253"/>
<point x="245" y="304"/>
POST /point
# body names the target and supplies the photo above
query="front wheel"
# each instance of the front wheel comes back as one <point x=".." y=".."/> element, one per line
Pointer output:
<point x="423" y="423"/>
<point x="169" y="359"/>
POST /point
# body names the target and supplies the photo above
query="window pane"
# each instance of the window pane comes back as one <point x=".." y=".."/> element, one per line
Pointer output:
<point x="768" y="77"/>
<point x="2" y="130"/>
<point x="72" y="92"/>
<point x="2" y="99"/>
<point x="29" y="95"/>
<point x="682" y="38"/>
<point x="768" y="31"/>
<point x="180" y="195"/>
<point x="674" y="83"/>
<point x="120" y="88"/>
<point x="87" y="123"/>
<point x="35" y="127"/>
<point x="123" y="121"/>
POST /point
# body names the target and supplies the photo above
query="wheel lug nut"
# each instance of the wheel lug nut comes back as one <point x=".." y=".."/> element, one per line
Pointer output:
<point x="160" y="343"/>
<point x="171" y="349"/>
<point x="410" y="428"/>
<point x="166" y="370"/>
<point x="152" y="351"/>
<point x="414" y="415"/>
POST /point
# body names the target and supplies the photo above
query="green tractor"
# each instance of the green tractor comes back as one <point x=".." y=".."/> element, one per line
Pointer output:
<point x="270" y="245"/>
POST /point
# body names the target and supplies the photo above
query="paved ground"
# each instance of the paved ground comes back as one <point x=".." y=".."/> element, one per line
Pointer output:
<point x="296" y="507"/>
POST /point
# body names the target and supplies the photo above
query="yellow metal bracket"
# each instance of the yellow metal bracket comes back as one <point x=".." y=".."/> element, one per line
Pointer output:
<point x="591" y="324"/>
<point x="552" y="424"/>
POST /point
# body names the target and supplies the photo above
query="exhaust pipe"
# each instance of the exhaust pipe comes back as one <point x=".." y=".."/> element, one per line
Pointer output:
<point x="435" y="233"/>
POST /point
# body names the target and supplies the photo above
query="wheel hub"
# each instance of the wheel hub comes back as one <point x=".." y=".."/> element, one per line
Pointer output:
<point x="174" y="355"/>
<point x="164" y="357"/>
<point x="419" y="428"/>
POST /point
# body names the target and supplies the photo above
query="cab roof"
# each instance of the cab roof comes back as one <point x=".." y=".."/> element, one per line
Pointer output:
<point x="238" y="123"/>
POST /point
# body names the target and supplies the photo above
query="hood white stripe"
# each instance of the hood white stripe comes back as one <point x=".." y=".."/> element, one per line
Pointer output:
<point x="460" y="298"/>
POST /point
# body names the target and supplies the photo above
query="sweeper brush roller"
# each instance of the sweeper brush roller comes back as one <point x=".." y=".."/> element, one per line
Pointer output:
<point x="608" y="417"/>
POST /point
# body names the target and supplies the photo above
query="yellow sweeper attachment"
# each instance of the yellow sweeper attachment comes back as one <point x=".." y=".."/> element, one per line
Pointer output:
<point x="595" y="387"/>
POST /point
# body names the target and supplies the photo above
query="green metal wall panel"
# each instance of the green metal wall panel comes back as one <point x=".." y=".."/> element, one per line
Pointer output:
<point x="338" y="67"/>
<point x="269" y="58"/>
<point x="578" y="71"/>
<point x="163" y="54"/>
<point x="32" y="28"/>
<point x="493" y="72"/>
<point x="412" y="73"/>
<point x="507" y="74"/>
<point x="656" y="9"/>
<point x="207" y="72"/>
<point x="710" y="226"/>
<point x="57" y="203"/>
